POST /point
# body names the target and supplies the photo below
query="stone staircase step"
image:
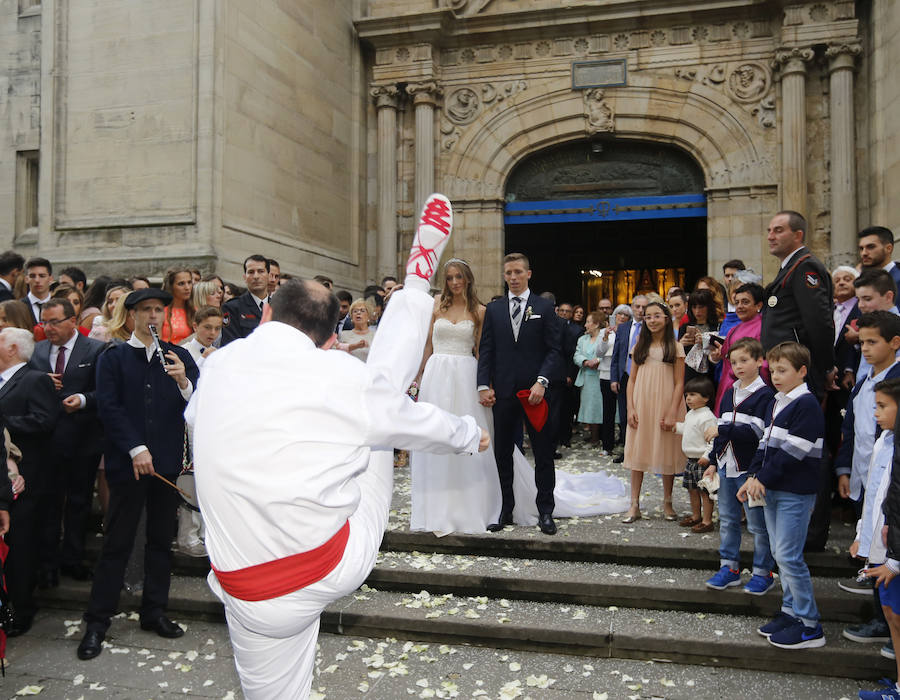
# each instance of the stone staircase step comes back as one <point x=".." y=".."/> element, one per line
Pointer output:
<point x="707" y="639"/>
<point x="631" y="633"/>
<point x="586" y="583"/>
<point x="601" y="540"/>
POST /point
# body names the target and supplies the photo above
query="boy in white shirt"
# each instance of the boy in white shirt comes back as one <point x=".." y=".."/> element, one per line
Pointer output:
<point x="207" y="327"/>
<point x="698" y="392"/>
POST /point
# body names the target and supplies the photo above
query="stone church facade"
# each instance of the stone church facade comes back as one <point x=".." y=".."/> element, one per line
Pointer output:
<point x="200" y="130"/>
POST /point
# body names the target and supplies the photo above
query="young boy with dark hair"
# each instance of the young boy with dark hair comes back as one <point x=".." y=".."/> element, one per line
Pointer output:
<point x="784" y="475"/>
<point x="698" y="392"/>
<point x="741" y="422"/>
<point x="879" y="339"/>
<point x="871" y="530"/>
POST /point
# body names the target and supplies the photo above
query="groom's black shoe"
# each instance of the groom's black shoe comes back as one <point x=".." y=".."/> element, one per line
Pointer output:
<point x="504" y="520"/>
<point x="545" y="522"/>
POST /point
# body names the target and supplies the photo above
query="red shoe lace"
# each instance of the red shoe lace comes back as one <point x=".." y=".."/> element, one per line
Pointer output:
<point x="434" y="214"/>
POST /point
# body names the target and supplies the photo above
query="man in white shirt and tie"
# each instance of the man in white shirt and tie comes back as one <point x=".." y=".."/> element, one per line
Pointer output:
<point x="39" y="273"/>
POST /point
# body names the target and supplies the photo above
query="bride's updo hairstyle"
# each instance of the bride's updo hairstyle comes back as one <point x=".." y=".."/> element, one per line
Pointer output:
<point x="469" y="294"/>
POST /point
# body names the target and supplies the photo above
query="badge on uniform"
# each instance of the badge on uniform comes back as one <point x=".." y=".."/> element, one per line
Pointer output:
<point x="812" y="280"/>
<point x="772" y="301"/>
<point x="226" y="317"/>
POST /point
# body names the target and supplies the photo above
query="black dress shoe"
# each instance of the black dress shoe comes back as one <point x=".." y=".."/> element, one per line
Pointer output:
<point x="79" y="572"/>
<point x="504" y="520"/>
<point x="163" y="626"/>
<point x="545" y="522"/>
<point x="619" y="459"/>
<point x="48" y="579"/>
<point x="19" y="626"/>
<point x="91" y="644"/>
<point x="557" y="455"/>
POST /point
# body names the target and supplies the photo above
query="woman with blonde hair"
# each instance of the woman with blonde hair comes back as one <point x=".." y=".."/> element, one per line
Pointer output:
<point x="121" y="325"/>
<point x="176" y="326"/>
<point x="208" y="293"/>
<point x="99" y="327"/>
<point x="359" y="338"/>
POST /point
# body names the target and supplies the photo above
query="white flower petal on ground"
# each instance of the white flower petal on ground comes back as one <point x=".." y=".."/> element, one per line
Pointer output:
<point x="78" y="680"/>
<point x="542" y="681"/>
<point x="30" y="690"/>
<point x="515" y="666"/>
<point x="600" y="696"/>
<point x="363" y="687"/>
<point x="191" y="655"/>
<point x="208" y="682"/>
<point x="97" y="686"/>
<point x="667" y="683"/>
<point x="164" y="684"/>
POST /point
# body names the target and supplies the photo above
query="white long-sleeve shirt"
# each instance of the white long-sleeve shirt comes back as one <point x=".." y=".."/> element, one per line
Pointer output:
<point x="697" y="420"/>
<point x="281" y="430"/>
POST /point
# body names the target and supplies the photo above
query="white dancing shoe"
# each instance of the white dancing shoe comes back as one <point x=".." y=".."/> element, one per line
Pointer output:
<point x="432" y="234"/>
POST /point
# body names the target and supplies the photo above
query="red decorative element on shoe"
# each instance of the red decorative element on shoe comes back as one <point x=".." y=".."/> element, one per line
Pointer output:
<point x="436" y="219"/>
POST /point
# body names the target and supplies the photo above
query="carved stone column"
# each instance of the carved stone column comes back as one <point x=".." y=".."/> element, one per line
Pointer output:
<point x="793" y="126"/>
<point x="841" y="63"/>
<point x="385" y="97"/>
<point x="425" y="96"/>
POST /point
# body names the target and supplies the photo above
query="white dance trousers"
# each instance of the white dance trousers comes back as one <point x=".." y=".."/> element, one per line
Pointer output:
<point x="274" y="640"/>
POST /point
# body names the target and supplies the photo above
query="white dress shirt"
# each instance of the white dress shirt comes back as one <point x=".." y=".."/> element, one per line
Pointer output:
<point x="7" y="374"/>
<point x="33" y="301"/>
<point x="784" y="263"/>
<point x="69" y="345"/>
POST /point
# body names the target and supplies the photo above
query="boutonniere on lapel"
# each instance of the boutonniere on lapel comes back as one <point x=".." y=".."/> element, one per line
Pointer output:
<point x="529" y="314"/>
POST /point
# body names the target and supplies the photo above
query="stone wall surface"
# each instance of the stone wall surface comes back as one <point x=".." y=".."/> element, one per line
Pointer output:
<point x="20" y="103"/>
<point x="292" y="141"/>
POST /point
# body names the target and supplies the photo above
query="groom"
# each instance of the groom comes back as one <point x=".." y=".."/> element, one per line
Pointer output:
<point x="520" y="349"/>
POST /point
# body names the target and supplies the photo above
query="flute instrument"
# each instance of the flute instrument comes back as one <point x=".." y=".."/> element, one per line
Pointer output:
<point x="157" y="346"/>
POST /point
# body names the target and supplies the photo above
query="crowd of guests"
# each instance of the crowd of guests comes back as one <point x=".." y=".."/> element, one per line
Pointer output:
<point x="782" y="397"/>
<point x="94" y="380"/>
<point x="778" y="402"/>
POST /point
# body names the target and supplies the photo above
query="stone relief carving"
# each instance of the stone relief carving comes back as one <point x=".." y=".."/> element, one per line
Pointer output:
<point x="748" y="82"/>
<point x="465" y="8"/>
<point x="428" y="92"/>
<point x="784" y="55"/>
<point x="852" y="48"/>
<point x="385" y="95"/>
<point x="745" y="173"/>
<point x="464" y="104"/>
<point x="599" y="116"/>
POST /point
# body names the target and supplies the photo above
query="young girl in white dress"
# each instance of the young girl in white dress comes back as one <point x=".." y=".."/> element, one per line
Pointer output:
<point x="461" y="493"/>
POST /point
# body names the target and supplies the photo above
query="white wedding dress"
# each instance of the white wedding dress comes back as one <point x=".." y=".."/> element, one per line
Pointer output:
<point x="461" y="493"/>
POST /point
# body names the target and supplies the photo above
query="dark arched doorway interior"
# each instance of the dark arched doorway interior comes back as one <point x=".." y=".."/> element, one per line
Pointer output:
<point x="608" y="218"/>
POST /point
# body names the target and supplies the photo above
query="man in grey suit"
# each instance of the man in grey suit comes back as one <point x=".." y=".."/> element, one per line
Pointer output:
<point x="71" y="361"/>
<point x="620" y="368"/>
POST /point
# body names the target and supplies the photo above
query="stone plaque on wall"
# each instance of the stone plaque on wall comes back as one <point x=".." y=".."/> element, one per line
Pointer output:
<point x="126" y="109"/>
<point x="590" y="74"/>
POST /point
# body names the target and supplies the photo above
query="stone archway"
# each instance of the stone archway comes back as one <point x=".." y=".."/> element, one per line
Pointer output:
<point x="734" y="146"/>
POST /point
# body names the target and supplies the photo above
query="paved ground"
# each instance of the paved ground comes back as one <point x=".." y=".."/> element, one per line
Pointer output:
<point x="139" y="665"/>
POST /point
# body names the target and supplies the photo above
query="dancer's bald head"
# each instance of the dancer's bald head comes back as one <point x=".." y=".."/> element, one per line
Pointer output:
<point x="307" y="306"/>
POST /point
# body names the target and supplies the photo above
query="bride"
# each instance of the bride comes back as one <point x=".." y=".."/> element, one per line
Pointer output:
<point x="461" y="493"/>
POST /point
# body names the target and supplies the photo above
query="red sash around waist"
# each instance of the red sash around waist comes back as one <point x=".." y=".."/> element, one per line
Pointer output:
<point x="279" y="577"/>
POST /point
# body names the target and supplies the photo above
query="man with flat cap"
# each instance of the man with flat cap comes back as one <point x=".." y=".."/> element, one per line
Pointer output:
<point x="141" y="403"/>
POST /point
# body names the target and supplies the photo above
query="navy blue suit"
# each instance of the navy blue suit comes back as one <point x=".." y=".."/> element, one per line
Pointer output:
<point x="509" y="365"/>
<point x="618" y="373"/>
<point x="240" y="317"/>
<point x="76" y="447"/>
<point x="895" y="273"/>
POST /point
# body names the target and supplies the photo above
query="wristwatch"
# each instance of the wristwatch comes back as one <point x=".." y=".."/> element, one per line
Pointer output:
<point x="543" y="382"/>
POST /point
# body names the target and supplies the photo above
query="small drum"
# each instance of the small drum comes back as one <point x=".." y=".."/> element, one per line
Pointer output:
<point x="188" y="487"/>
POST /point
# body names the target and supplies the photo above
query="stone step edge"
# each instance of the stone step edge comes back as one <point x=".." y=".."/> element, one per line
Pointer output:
<point x="834" y="605"/>
<point x="830" y="564"/>
<point x="863" y="664"/>
<point x="858" y="661"/>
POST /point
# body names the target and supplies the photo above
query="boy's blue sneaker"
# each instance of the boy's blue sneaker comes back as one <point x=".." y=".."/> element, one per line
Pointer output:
<point x="798" y="636"/>
<point x="888" y="691"/>
<point x="759" y="585"/>
<point x="724" y="578"/>
<point x="887" y="651"/>
<point x="777" y="623"/>
<point x="869" y="633"/>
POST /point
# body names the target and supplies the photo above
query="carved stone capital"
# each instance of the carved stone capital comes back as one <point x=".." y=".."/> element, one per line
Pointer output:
<point x="793" y="59"/>
<point x="843" y="55"/>
<point x="385" y="96"/>
<point x="424" y="93"/>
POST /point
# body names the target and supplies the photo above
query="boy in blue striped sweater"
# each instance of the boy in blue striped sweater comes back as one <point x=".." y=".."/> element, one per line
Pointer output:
<point x="737" y="436"/>
<point x="785" y="474"/>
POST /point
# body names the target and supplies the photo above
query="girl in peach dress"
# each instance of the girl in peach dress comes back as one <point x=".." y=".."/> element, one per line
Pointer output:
<point x="655" y="404"/>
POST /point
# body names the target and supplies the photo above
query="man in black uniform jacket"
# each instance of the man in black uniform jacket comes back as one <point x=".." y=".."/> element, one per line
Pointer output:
<point x="71" y="360"/>
<point x="799" y="306"/>
<point x="30" y="408"/>
<point x="141" y="403"/>
<point x="241" y="316"/>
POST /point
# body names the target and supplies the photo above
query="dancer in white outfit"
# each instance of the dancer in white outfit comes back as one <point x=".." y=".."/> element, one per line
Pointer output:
<point x="295" y="503"/>
<point x="461" y="493"/>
